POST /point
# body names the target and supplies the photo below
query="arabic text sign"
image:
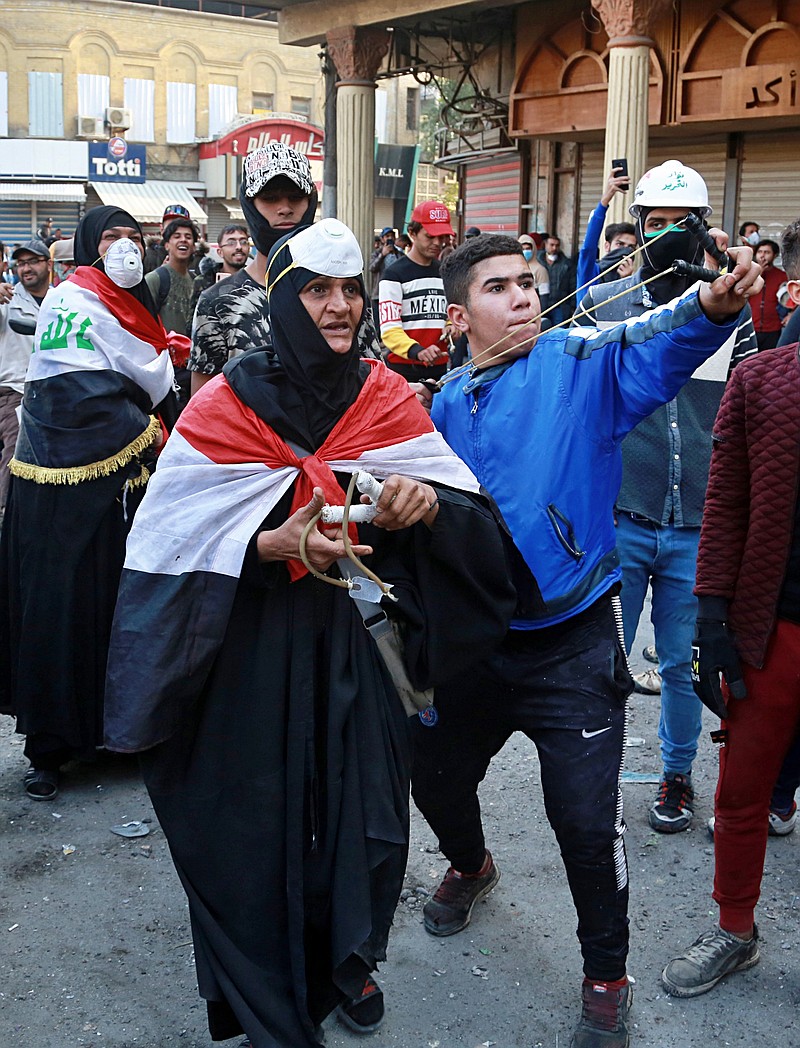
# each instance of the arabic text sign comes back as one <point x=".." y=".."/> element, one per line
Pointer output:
<point x="766" y="90"/>
<point x="299" y="134"/>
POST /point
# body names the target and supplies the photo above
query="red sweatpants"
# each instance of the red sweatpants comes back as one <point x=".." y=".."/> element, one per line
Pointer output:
<point x="760" y="730"/>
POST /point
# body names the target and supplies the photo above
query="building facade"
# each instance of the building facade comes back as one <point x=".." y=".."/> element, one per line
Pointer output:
<point x="163" y="80"/>
<point x="722" y="97"/>
<point x="551" y="90"/>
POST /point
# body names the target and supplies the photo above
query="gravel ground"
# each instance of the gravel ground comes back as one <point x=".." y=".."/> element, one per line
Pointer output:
<point x="95" y="947"/>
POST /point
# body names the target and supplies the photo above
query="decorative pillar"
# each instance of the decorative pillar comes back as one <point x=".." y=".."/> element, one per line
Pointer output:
<point x="357" y="54"/>
<point x="628" y="23"/>
<point x="329" y="167"/>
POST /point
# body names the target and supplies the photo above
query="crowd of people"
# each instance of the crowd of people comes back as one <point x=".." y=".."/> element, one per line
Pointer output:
<point x="374" y="529"/>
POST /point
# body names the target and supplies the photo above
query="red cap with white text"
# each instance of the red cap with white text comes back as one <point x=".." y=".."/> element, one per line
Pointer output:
<point x="434" y="218"/>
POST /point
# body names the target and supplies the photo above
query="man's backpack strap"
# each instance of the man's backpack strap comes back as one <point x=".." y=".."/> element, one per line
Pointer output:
<point x="163" y="287"/>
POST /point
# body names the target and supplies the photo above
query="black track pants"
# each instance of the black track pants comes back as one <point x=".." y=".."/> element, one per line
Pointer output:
<point x="565" y="687"/>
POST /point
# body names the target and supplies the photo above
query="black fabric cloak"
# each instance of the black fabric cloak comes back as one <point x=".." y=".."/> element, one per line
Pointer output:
<point x="284" y="794"/>
<point x="63" y="542"/>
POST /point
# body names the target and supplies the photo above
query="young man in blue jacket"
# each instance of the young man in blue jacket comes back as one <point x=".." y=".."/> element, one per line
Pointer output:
<point x="540" y="422"/>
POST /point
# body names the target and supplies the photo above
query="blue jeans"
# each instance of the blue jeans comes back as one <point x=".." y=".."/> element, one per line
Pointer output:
<point x="665" y="557"/>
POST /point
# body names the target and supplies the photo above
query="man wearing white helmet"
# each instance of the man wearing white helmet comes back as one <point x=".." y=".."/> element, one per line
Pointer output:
<point x="665" y="472"/>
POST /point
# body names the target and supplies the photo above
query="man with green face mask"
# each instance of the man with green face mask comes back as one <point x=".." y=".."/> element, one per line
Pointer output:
<point x="665" y="471"/>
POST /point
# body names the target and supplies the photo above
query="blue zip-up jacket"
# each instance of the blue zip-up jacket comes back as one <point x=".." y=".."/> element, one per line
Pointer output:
<point x="543" y="435"/>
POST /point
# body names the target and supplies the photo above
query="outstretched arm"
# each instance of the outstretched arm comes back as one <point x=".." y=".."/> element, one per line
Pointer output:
<point x="632" y="368"/>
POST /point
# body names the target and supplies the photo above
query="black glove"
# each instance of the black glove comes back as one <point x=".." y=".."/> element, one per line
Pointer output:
<point x="713" y="652"/>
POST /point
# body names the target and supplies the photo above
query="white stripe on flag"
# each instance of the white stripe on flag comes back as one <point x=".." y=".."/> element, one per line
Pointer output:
<point x="198" y="515"/>
<point x="79" y="333"/>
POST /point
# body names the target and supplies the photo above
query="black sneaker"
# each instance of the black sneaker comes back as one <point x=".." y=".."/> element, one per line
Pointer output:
<point x="363" y="1014"/>
<point x="673" y="808"/>
<point x="604" y="1015"/>
<point x="715" y="954"/>
<point x="450" y="909"/>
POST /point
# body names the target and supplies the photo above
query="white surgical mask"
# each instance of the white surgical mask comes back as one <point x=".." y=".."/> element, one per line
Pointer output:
<point x="551" y="258"/>
<point x="123" y="263"/>
<point x="754" y="239"/>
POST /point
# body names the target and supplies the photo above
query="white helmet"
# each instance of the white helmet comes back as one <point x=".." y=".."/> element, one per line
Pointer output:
<point x="671" y="184"/>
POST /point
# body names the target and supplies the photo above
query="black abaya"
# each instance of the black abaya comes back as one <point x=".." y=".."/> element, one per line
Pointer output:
<point x="284" y="794"/>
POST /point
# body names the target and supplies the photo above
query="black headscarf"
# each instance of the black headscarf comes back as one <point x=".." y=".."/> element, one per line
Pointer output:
<point x="311" y="388"/>
<point x="261" y="232"/>
<point x="87" y="238"/>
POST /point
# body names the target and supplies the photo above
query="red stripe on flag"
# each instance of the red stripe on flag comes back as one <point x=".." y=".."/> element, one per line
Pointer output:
<point x="130" y="313"/>
<point x="218" y="425"/>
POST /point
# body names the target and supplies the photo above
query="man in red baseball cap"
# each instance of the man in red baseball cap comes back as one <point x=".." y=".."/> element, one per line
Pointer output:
<point x="413" y="307"/>
<point x="156" y="253"/>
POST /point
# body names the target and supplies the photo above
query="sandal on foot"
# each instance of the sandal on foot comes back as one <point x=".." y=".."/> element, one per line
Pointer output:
<point x="41" y="784"/>
<point x="363" y="1014"/>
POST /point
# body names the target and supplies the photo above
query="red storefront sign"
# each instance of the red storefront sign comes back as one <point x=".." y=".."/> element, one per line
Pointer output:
<point x="305" y="138"/>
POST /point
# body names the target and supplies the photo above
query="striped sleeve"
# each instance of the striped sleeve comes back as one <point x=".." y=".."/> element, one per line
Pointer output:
<point x="391" y="318"/>
<point x="745" y="344"/>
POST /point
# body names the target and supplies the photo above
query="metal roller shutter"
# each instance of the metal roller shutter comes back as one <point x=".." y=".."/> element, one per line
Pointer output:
<point x="64" y="216"/>
<point x="592" y="184"/>
<point x="707" y="156"/>
<point x="768" y="191"/>
<point x="218" y="216"/>
<point x="384" y="213"/>
<point x="492" y="195"/>
<point x="16" y="221"/>
<point x="221" y="214"/>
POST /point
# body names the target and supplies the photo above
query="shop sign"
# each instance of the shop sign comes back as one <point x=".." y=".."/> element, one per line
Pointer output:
<point x="304" y="137"/>
<point x="768" y="90"/>
<point x="394" y="166"/>
<point x="117" y="161"/>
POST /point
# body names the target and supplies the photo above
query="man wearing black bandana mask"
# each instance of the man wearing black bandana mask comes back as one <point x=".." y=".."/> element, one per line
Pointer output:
<point x="665" y="470"/>
<point x="277" y="195"/>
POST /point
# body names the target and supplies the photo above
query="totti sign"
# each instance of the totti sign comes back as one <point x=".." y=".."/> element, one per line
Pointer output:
<point x="117" y="161"/>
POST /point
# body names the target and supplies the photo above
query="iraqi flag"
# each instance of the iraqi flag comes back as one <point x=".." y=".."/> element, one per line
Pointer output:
<point x="96" y="373"/>
<point x="222" y="472"/>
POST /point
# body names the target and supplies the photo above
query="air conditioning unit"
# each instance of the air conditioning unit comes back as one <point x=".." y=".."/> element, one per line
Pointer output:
<point x="91" y="127"/>
<point x="118" y="119"/>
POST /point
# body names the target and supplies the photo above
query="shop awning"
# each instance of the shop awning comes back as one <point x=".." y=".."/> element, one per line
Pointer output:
<point x="234" y="210"/>
<point x="70" y="193"/>
<point x="146" y="201"/>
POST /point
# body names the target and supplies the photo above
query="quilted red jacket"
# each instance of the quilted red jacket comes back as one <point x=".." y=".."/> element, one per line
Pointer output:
<point x="748" y="519"/>
<point x="765" y="306"/>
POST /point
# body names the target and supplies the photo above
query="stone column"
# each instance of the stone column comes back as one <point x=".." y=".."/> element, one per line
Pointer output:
<point x="628" y="23"/>
<point x="329" y="167"/>
<point x="357" y="54"/>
